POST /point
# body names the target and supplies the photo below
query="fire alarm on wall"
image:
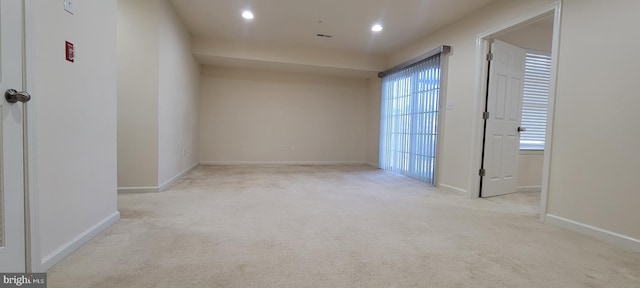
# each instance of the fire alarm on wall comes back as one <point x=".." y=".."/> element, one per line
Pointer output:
<point x="69" y="51"/>
<point x="68" y="6"/>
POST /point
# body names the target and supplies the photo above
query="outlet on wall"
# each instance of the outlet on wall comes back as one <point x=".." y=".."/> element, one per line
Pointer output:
<point x="68" y="6"/>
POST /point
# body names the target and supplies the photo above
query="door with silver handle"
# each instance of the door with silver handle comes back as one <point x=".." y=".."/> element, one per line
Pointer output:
<point x="14" y="96"/>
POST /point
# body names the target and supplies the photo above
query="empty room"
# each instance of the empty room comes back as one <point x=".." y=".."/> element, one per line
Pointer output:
<point x="279" y="143"/>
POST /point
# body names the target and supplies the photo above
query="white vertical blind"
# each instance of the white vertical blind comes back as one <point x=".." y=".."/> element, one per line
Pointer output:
<point x="535" y="100"/>
<point x="409" y="122"/>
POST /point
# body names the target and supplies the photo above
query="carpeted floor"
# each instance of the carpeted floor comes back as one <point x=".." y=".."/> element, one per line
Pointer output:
<point x="335" y="226"/>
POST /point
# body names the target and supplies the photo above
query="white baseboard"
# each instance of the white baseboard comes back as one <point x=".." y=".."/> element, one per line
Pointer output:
<point x="136" y="190"/>
<point x="595" y="232"/>
<point x="257" y="163"/>
<point x="75" y="243"/>
<point x="528" y="188"/>
<point x="453" y="189"/>
<point x="173" y="180"/>
<point x="376" y="165"/>
<point x="152" y="189"/>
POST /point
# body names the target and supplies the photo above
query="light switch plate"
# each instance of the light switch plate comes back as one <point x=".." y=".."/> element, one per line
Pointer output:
<point x="449" y="104"/>
<point x="68" y="5"/>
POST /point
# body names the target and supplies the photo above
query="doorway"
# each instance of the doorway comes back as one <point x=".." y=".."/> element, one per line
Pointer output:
<point x="523" y="33"/>
<point x="515" y="164"/>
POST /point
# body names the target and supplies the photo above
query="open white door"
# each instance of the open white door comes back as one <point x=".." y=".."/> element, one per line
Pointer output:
<point x="12" y="230"/>
<point x="502" y="137"/>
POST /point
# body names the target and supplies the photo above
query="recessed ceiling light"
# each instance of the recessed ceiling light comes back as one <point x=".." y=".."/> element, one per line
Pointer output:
<point x="376" y="28"/>
<point x="247" y="15"/>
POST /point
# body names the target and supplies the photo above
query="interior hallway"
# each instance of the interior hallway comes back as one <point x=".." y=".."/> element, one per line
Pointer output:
<point x="335" y="226"/>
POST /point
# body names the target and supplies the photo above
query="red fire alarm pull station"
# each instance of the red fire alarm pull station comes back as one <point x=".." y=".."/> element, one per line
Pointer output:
<point x="69" y="51"/>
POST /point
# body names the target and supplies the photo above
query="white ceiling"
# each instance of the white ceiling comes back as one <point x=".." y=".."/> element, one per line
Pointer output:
<point x="295" y="23"/>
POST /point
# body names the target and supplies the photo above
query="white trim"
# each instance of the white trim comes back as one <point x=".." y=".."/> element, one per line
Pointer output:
<point x="136" y="190"/>
<point x="528" y="188"/>
<point x="75" y="243"/>
<point x="26" y="149"/>
<point x="33" y="263"/>
<point x="156" y="189"/>
<point x="595" y="232"/>
<point x="173" y="180"/>
<point x="533" y="51"/>
<point x="257" y="163"/>
<point x="375" y="165"/>
<point x="453" y="189"/>
<point x="546" y="166"/>
<point x="482" y="48"/>
<point x="531" y="152"/>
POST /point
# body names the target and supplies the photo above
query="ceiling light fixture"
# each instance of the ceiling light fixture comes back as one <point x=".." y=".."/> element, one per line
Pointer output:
<point x="376" y="28"/>
<point x="247" y="15"/>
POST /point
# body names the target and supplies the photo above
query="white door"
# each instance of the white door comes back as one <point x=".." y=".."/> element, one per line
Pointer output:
<point x="12" y="234"/>
<point x="502" y="138"/>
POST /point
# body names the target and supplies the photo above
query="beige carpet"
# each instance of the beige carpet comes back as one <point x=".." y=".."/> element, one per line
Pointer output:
<point x="353" y="226"/>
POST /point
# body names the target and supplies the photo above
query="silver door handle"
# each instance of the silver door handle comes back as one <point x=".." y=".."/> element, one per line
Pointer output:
<point x="522" y="129"/>
<point x="14" y="96"/>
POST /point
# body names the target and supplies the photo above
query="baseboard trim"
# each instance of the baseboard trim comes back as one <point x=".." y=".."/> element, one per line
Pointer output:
<point x="258" y="163"/>
<point x="138" y="190"/>
<point x="68" y="248"/>
<point x="173" y="180"/>
<point x="453" y="189"/>
<point x="528" y="188"/>
<point x="375" y="165"/>
<point x="595" y="232"/>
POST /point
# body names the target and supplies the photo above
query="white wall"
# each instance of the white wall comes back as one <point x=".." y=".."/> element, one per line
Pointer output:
<point x="138" y="93"/>
<point x="267" y="55"/>
<point x="595" y="159"/>
<point x="461" y="76"/>
<point x="72" y="125"/>
<point x="532" y="37"/>
<point x="178" y="97"/>
<point x="157" y="96"/>
<point x="256" y="116"/>
<point x="530" y="166"/>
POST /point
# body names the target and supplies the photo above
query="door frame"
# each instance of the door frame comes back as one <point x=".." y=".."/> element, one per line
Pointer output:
<point x="32" y="223"/>
<point x="477" y="132"/>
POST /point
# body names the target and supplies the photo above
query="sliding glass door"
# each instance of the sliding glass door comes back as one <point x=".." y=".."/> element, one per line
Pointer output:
<point x="409" y="122"/>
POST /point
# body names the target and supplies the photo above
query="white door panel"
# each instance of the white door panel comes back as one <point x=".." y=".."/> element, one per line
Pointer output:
<point x="506" y="75"/>
<point x="12" y="233"/>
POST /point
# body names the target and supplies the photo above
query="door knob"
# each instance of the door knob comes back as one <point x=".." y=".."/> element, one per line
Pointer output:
<point x="522" y="129"/>
<point x="14" y="96"/>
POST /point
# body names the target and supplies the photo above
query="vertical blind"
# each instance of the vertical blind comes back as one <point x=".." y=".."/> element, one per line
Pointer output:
<point x="409" y="120"/>
<point x="535" y="99"/>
